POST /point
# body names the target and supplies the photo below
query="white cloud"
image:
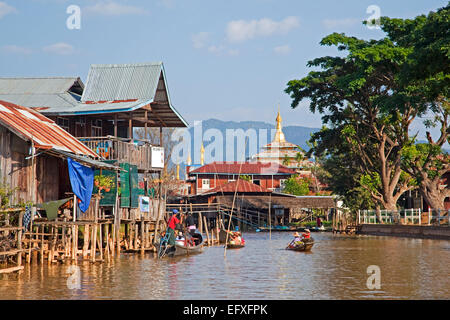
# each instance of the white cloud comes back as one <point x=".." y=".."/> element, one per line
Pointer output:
<point x="111" y="8"/>
<point x="282" y="50"/>
<point x="242" y="30"/>
<point x="200" y="39"/>
<point x="222" y="50"/>
<point x="60" y="48"/>
<point x="339" y="23"/>
<point x="16" y="49"/>
<point x="6" y="9"/>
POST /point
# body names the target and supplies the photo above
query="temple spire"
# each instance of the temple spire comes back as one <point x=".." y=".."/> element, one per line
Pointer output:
<point x="279" y="135"/>
<point x="202" y="155"/>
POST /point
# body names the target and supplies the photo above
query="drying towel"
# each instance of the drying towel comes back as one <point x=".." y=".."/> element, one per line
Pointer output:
<point x="82" y="181"/>
<point x="51" y="207"/>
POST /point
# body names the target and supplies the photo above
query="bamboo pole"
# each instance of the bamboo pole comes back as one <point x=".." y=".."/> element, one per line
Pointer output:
<point x="232" y="206"/>
<point x="200" y="222"/>
<point x="206" y="229"/>
<point x="142" y="236"/>
<point x="100" y="241"/>
<point x="85" y="241"/>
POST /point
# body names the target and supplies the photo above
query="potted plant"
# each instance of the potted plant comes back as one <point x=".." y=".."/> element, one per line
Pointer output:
<point x="103" y="182"/>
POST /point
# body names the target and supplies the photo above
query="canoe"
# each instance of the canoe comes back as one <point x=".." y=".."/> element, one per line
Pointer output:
<point x="306" y="246"/>
<point x="281" y="229"/>
<point x="183" y="250"/>
<point x="235" y="246"/>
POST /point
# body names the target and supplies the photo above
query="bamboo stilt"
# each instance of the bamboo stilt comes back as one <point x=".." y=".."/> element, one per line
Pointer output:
<point x="85" y="241"/>
<point x="206" y="230"/>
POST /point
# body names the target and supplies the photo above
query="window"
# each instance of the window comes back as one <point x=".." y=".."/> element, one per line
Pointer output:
<point x="80" y="125"/>
<point x="205" y="184"/>
<point x="257" y="182"/>
<point x="63" y="123"/>
<point x="96" y="128"/>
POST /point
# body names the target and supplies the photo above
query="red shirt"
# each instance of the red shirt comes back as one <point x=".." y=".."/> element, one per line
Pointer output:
<point x="173" y="221"/>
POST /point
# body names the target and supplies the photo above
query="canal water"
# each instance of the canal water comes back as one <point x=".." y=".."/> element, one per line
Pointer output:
<point x="336" y="268"/>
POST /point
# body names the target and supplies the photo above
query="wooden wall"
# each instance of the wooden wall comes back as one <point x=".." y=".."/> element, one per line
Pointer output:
<point x="51" y="176"/>
<point x="15" y="171"/>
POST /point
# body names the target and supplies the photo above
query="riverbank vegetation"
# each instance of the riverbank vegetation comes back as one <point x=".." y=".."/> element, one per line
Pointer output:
<point x="369" y="95"/>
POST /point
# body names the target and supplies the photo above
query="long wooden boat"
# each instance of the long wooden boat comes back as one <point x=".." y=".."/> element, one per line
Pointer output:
<point x="305" y="247"/>
<point x="182" y="249"/>
<point x="281" y="229"/>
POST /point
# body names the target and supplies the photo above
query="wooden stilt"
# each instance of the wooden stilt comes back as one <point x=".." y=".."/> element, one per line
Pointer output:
<point x="206" y="230"/>
<point x="85" y="241"/>
<point x="142" y="236"/>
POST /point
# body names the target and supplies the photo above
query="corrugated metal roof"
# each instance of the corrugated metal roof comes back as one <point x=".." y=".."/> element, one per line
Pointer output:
<point x="45" y="133"/>
<point x="94" y="108"/>
<point x="243" y="168"/>
<point x="122" y="81"/>
<point x="40" y="92"/>
<point x="109" y="88"/>
<point x="50" y="85"/>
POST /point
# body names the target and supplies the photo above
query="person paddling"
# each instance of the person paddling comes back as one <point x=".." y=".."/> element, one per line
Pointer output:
<point x="173" y="221"/>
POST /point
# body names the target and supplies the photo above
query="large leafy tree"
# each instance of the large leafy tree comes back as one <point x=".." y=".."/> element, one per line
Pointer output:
<point x="340" y="169"/>
<point x="426" y="74"/>
<point x="353" y="92"/>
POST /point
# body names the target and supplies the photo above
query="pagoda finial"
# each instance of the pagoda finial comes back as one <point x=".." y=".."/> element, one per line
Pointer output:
<point x="279" y="135"/>
<point x="202" y="154"/>
<point x="188" y="160"/>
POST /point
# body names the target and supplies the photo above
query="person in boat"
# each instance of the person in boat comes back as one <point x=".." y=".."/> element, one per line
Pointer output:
<point x="173" y="221"/>
<point x="190" y="224"/>
<point x="306" y="235"/>
<point x="180" y="238"/>
<point x="296" y="241"/>
<point x="319" y="222"/>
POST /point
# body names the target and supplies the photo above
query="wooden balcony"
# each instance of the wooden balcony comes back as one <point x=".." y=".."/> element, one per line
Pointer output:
<point x="133" y="151"/>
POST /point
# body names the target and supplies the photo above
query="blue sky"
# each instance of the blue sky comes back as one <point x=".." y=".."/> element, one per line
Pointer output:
<point x="223" y="59"/>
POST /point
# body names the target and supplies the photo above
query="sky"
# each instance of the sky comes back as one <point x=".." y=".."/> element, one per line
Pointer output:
<point x="229" y="60"/>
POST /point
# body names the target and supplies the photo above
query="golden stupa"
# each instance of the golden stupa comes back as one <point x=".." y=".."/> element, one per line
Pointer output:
<point x="279" y="150"/>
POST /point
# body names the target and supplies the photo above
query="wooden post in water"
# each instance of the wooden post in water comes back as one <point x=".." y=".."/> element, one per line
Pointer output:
<point x="200" y="222"/>
<point x="19" y="240"/>
<point x="142" y="236"/>
<point x="85" y="241"/>
<point x="206" y="229"/>
<point x="74" y="215"/>
<point x="41" y="257"/>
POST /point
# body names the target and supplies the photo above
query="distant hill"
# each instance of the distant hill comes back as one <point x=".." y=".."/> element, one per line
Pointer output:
<point x="294" y="134"/>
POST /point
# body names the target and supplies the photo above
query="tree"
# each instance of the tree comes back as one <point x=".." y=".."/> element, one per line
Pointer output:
<point x="286" y="160"/>
<point x="351" y="93"/>
<point x="168" y="174"/>
<point x="299" y="158"/>
<point x="426" y="73"/>
<point x="246" y="178"/>
<point x="297" y="186"/>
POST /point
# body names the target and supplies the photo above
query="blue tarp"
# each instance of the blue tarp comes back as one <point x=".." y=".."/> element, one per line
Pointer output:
<point x="82" y="181"/>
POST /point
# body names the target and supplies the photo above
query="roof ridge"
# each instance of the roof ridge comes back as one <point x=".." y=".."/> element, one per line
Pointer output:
<point x="120" y="65"/>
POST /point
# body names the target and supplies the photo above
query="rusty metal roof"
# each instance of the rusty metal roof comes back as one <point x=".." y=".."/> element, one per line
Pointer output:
<point x="243" y="168"/>
<point x="239" y="186"/>
<point x="45" y="133"/>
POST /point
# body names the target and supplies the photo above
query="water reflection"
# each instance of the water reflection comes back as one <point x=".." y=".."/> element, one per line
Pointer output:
<point x="335" y="269"/>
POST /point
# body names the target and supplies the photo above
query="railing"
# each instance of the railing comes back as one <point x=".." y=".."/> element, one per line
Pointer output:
<point x="406" y="216"/>
<point x="134" y="151"/>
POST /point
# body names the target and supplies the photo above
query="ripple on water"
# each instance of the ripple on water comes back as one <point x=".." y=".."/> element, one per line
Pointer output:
<point x="335" y="269"/>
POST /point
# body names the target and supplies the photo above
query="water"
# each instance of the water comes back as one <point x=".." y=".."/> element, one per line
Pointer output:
<point x="336" y="268"/>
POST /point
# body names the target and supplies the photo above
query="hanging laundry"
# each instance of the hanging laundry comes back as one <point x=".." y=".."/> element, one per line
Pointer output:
<point x="82" y="181"/>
